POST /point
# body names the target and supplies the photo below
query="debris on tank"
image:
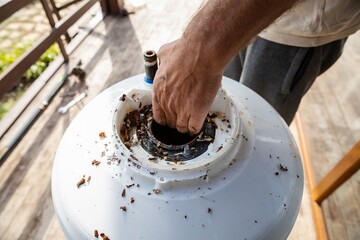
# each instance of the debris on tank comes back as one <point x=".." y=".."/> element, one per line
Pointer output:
<point x="162" y="142"/>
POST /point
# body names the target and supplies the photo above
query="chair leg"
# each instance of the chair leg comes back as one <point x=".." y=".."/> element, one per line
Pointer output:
<point x="318" y="217"/>
<point x="55" y="10"/>
<point x="346" y="167"/>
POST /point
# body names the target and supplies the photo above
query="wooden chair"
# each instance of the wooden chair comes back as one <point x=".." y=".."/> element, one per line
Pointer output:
<point x="345" y="168"/>
<point x="56" y="11"/>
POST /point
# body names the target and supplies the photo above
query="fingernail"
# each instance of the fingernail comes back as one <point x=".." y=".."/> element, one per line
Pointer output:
<point x="160" y="122"/>
<point x="193" y="131"/>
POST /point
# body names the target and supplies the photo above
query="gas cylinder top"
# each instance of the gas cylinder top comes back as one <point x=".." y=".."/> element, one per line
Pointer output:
<point x="118" y="174"/>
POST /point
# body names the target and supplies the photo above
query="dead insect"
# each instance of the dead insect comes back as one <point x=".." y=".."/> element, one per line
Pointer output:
<point x="96" y="233"/>
<point x="209" y="210"/>
<point x="123" y="97"/>
<point x="81" y="182"/>
<point x="130" y="185"/>
<point x="124" y="131"/>
<point x="123" y="194"/>
<point x="133" y="157"/>
<point x="219" y="148"/>
<point x="95" y="162"/>
<point x="104" y="237"/>
<point x="205" y="139"/>
<point x="213" y="115"/>
<point x="132" y="200"/>
<point x="123" y="208"/>
<point x="204" y="177"/>
<point x="283" y="168"/>
<point x="157" y="191"/>
<point x="102" y="134"/>
<point x="276" y="173"/>
<point x="127" y="145"/>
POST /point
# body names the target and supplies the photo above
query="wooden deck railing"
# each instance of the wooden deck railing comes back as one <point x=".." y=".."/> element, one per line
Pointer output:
<point x="13" y="74"/>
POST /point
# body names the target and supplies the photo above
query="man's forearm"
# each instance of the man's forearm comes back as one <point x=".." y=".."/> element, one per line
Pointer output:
<point x="223" y="27"/>
<point x="183" y="93"/>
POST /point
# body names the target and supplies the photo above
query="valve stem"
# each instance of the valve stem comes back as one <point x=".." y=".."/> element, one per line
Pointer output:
<point x="150" y="62"/>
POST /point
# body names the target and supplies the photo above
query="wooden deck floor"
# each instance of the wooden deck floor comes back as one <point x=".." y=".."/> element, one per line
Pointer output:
<point x="114" y="52"/>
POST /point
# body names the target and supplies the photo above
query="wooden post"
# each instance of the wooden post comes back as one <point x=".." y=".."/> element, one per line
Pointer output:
<point x="55" y="10"/>
<point x="113" y="7"/>
<point x="52" y="24"/>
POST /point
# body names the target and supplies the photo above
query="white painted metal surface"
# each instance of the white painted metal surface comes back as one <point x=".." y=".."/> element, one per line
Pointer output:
<point x="247" y="185"/>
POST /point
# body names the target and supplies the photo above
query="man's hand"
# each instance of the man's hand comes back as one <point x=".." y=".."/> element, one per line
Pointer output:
<point x="184" y="87"/>
<point x="190" y="69"/>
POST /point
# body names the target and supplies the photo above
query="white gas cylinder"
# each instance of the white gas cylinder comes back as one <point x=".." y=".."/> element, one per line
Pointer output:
<point x="246" y="184"/>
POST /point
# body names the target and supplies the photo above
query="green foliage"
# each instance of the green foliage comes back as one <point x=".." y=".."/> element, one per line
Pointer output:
<point x="5" y="106"/>
<point x="8" y="57"/>
<point x="35" y="70"/>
